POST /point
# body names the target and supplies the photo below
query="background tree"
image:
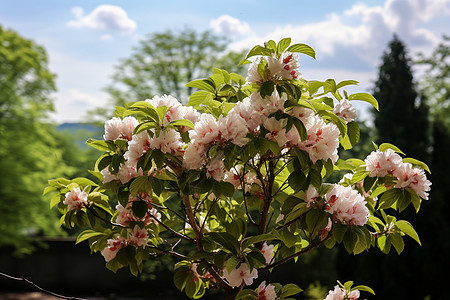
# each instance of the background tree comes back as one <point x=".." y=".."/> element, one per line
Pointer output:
<point x="403" y="120"/>
<point x="164" y="62"/>
<point x="30" y="149"/>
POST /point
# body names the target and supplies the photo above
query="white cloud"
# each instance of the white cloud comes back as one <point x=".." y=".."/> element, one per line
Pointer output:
<point x="109" y="18"/>
<point x="228" y="25"/>
<point x="73" y="105"/>
<point x="362" y="32"/>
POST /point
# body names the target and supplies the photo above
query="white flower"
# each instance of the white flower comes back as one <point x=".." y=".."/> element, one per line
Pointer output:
<point x="276" y="130"/>
<point x="253" y="75"/>
<point x="380" y="163"/>
<point x="168" y="141"/>
<point x="233" y="128"/>
<point x="286" y="67"/>
<point x="138" y="146"/>
<point x="118" y="128"/>
<point x="239" y="275"/>
<point x="215" y="168"/>
<point x="323" y="140"/>
<point x="346" y="205"/>
<point x="266" y="292"/>
<point x="414" y="178"/>
<point x="206" y="130"/>
<point x="75" y="199"/>
<point x="341" y="294"/>
<point x="267" y="251"/>
<point x="194" y="156"/>
<point x="114" y="245"/>
<point x="138" y="236"/>
<point x="311" y="195"/>
<point x="345" y="110"/>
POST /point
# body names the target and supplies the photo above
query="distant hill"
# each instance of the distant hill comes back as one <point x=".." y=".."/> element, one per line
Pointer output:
<point x="81" y="132"/>
<point x="76" y="127"/>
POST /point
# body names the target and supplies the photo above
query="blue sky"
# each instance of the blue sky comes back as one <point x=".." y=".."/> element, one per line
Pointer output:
<point x="85" y="39"/>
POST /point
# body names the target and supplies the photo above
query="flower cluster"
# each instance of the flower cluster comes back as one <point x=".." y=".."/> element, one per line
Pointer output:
<point x="346" y="205"/>
<point x="75" y="199"/>
<point x="381" y="163"/>
<point x="242" y="274"/>
<point x="137" y="237"/>
<point x="340" y="293"/>
<point x="266" y="292"/>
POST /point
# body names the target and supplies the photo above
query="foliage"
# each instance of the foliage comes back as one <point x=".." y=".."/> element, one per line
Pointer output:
<point x="238" y="178"/>
<point x="163" y="62"/>
<point x="30" y="150"/>
<point x="436" y="84"/>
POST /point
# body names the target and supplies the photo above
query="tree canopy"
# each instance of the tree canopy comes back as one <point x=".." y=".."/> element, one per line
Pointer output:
<point x="163" y="62"/>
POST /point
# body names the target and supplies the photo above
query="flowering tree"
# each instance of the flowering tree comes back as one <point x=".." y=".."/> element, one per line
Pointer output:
<point x="239" y="175"/>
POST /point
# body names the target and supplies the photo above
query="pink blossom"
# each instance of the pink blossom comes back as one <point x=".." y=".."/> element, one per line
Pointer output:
<point x="194" y="156"/>
<point x="168" y="141"/>
<point x="266" y="292"/>
<point x="239" y="275"/>
<point x="341" y="294"/>
<point x="323" y="140"/>
<point x="251" y="112"/>
<point x="345" y="110"/>
<point x="380" y="163"/>
<point x="253" y="74"/>
<point x="138" y="236"/>
<point x="126" y="214"/>
<point x="346" y="205"/>
<point x="215" y="168"/>
<point x="128" y="172"/>
<point x="75" y="199"/>
<point x="206" y="130"/>
<point x="414" y="178"/>
<point x="276" y="130"/>
<point x="118" y="128"/>
<point x="301" y="113"/>
<point x="311" y="195"/>
<point x="234" y="177"/>
<point x="138" y="146"/>
<point x="233" y="128"/>
<point x="285" y="67"/>
<point x="267" y="251"/>
<point x="114" y="245"/>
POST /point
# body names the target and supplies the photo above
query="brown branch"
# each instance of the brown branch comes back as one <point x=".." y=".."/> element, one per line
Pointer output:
<point x="172" y="253"/>
<point x="170" y="229"/>
<point x="105" y="220"/>
<point x="39" y="288"/>
<point x="244" y="195"/>
<point x="191" y="219"/>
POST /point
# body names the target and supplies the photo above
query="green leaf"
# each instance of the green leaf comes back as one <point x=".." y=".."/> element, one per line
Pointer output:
<point x="283" y="44"/>
<point x="383" y="147"/>
<point x="365" y="97"/>
<point x="397" y="242"/>
<point x="202" y="84"/>
<point x="181" y="277"/>
<point x="256" y="239"/>
<point x="301" y="129"/>
<point x="140" y="185"/>
<point x="98" y="144"/>
<point x="247" y="295"/>
<point x="302" y="48"/>
<point x="296" y="180"/>
<point x="87" y="234"/>
<point x="200" y="97"/>
<point x="289" y="290"/>
<point x="232" y="263"/>
<point x="363" y="288"/>
<point x="258" y="50"/>
<point x="408" y="229"/>
<point x="267" y="89"/>
<point x="389" y="197"/>
<point x="139" y="209"/>
<point x="226" y="240"/>
<point x="345" y="83"/>
<point x="417" y="163"/>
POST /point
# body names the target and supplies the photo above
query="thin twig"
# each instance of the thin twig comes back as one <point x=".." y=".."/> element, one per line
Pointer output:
<point x="170" y="229"/>
<point x="39" y="288"/>
<point x="105" y="220"/>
